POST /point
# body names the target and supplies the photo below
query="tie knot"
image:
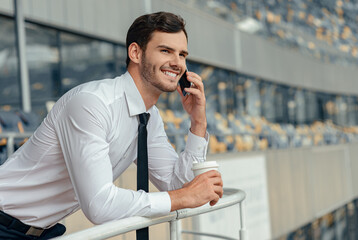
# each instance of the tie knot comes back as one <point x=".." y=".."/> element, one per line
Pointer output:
<point x="143" y="118"/>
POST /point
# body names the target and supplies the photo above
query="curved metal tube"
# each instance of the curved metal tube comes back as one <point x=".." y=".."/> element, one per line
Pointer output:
<point x="231" y="197"/>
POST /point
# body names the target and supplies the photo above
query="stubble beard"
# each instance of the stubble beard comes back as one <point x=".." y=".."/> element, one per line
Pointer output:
<point x="147" y="72"/>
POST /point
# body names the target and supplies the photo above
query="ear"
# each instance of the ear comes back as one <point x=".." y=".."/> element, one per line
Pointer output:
<point x="135" y="52"/>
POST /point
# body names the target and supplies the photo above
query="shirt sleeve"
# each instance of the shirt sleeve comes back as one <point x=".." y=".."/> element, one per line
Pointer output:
<point x="82" y="128"/>
<point x="168" y="171"/>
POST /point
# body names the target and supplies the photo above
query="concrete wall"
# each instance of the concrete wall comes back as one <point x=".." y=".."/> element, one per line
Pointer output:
<point x="108" y="19"/>
<point x="303" y="184"/>
<point x="307" y="183"/>
<point x="211" y="40"/>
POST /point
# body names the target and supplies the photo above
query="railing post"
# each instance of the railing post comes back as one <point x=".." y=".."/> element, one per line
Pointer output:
<point x="21" y="54"/>
<point x="243" y="233"/>
<point x="10" y="146"/>
<point x="179" y="230"/>
<point x="175" y="230"/>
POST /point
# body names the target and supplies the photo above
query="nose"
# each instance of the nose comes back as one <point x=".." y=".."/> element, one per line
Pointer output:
<point x="177" y="62"/>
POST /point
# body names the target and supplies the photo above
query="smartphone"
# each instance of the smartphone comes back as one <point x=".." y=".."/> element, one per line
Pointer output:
<point x="184" y="83"/>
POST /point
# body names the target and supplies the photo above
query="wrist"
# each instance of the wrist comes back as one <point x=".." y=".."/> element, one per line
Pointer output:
<point x="198" y="127"/>
<point x="178" y="199"/>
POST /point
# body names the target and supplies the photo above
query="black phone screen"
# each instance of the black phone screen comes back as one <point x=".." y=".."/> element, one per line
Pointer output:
<point x="184" y="83"/>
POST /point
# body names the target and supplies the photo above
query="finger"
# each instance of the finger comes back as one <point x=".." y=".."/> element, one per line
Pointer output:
<point x="196" y="82"/>
<point x="196" y="92"/>
<point x="213" y="202"/>
<point x="195" y="78"/>
<point x="212" y="173"/>
<point x="193" y="74"/>
<point x="214" y="178"/>
<point x="219" y="191"/>
<point x="217" y="181"/>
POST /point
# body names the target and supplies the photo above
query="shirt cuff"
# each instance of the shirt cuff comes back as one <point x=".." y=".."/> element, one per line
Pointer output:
<point x="197" y="145"/>
<point x="160" y="203"/>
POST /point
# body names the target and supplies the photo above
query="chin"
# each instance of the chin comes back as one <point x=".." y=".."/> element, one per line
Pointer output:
<point x="169" y="89"/>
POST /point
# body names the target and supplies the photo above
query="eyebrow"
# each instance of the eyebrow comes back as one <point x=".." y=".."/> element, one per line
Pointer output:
<point x="186" y="53"/>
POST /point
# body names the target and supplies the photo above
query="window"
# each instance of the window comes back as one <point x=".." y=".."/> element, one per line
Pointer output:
<point x="120" y="60"/>
<point x="252" y="95"/>
<point x="9" y="83"/>
<point x="311" y="107"/>
<point x="43" y="62"/>
<point x="351" y="118"/>
<point x="85" y="59"/>
<point x="281" y="107"/>
<point x="267" y="94"/>
<point x="239" y="90"/>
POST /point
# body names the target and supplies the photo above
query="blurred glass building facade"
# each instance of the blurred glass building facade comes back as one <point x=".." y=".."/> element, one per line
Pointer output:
<point x="242" y="109"/>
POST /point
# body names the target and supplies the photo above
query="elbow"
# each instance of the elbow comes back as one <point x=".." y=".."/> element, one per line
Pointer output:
<point x="94" y="215"/>
<point x="95" y="220"/>
<point x="97" y="209"/>
<point x="108" y="205"/>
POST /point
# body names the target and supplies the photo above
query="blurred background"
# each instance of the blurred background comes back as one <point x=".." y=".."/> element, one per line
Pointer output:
<point x="282" y="97"/>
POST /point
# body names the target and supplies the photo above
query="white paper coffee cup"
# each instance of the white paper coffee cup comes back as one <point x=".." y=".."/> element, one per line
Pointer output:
<point x="199" y="168"/>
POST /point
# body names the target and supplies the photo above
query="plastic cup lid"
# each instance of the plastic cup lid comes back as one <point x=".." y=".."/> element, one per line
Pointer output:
<point x="208" y="164"/>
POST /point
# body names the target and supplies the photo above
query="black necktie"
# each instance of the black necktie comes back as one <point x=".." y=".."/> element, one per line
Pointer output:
<point x="142" y="165"/>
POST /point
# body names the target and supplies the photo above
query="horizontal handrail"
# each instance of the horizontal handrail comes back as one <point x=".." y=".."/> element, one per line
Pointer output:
<point x="10" y="136"/>
<point x="208" y="235"/>
<point x="231" y="197"/>
<point x="15" y="134"/>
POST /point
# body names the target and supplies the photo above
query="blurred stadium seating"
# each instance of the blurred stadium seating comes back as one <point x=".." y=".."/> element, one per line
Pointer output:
<point x="14" y="125"/>
<point x="326" y="30"/>
<point x="261" y="115"/>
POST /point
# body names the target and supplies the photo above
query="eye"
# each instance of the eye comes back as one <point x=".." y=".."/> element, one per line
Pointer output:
<point x="164" y="51"/>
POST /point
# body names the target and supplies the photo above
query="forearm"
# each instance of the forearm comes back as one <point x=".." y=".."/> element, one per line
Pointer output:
<point x="199" y="128"/>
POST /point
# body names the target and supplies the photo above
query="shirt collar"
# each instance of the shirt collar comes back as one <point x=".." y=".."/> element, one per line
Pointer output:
<point x="134" y="99"/>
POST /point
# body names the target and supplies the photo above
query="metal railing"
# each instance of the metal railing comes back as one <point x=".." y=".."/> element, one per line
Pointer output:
<point x="10" y="139"/>
<point x="231" y="197"/>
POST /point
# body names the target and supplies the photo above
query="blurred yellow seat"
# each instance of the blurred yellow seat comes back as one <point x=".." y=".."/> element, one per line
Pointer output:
<point x="172" y="118"/>
<point x="215" y="146"/>
<point x="263" y="144"/>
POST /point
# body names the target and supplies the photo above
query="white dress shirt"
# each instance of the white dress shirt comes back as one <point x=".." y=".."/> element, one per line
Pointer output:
<point x="88" y="140"/>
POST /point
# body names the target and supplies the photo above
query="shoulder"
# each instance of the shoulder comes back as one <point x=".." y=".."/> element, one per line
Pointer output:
<point x="94" y="96"/>
<point x="107" y="90"/>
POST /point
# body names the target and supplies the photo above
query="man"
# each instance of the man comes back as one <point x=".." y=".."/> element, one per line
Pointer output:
<point x="90" y="137"/>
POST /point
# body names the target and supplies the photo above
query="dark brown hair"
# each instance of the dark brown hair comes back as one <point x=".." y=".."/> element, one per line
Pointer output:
<point x="143" y="27"/>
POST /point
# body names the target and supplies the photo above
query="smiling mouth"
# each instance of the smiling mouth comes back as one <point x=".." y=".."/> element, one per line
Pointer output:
<point x="170" y="74"/>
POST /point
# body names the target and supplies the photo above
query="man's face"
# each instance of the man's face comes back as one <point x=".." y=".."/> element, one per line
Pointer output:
<point x="163" y="62"/>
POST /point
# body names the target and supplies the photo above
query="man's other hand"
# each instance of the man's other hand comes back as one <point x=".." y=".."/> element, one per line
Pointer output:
<point x="204" y="188"/>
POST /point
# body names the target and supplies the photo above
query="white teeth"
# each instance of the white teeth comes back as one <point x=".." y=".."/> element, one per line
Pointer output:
<point x="170" y="74"/>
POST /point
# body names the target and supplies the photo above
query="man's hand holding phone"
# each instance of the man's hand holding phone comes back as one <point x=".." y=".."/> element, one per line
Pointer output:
<point x="184" y="83"/>
<point x="193" y="100"/>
